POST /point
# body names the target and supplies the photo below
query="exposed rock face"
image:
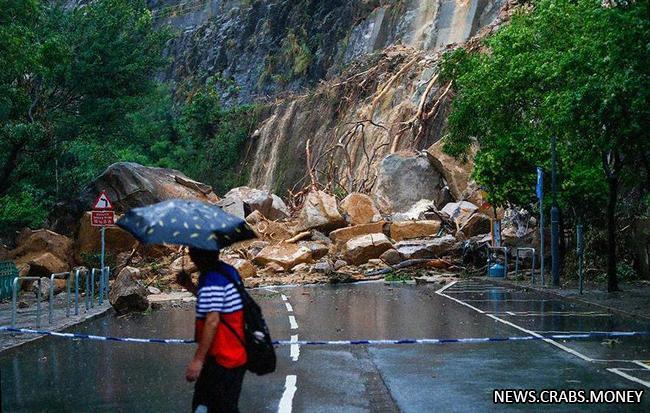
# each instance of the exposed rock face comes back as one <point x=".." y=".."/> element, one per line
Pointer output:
<point x="343" y="235"/>
<point x="126" y="293"/>
<point x="319" y="212"/>
<point x="359" y="209"/>
<point x="285" y="255"/>
<point x="427" y="248"/>
<point x="404" y="179"/>
<point x="413" y="229"/>
<point x="361" y="249"/>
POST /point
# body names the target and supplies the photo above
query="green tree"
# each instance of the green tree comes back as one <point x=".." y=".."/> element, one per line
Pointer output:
<point x="572" y="69"/>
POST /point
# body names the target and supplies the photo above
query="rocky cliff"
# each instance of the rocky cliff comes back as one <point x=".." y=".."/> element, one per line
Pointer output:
<point x="345" y="82"/>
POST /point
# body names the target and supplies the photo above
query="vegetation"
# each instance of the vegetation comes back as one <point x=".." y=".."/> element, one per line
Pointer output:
<point x="572" y="69"/>
<point x="77" y="93"/>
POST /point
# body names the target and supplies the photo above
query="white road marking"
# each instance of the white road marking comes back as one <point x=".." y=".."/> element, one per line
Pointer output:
<point x="293" y="323"/>
<point x="642" y="364"/>
<point x="295" y="348"/>
<point x="289" y="307"/>
<point x="284" y="297"/>
<point x="286" y="402"/>
<point x="441" y="292"/>
<point x="630" y="377"/>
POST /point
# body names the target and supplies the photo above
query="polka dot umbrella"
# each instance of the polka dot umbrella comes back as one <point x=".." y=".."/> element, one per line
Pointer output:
<point x="180" y="222"/>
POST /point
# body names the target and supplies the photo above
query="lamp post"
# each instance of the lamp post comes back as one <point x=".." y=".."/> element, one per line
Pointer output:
<point x="555" y="218"/>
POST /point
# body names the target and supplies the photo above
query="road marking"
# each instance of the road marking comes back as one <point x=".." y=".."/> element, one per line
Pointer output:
<point x="295" y="348"/>
<point x="293" y="323"/>
<point x="284" y="297"/>
<point x="553" y="313"/>
<point x="286" y="402"/>
<point x="289" y="307"/>
<point x="642" y="364"/>
<point x="569" y="350"/>
<point x="621" y="373"/>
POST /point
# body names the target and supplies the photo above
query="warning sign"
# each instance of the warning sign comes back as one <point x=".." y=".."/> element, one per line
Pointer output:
<point x="102" y="218"/>
<point x="103" y="202"/>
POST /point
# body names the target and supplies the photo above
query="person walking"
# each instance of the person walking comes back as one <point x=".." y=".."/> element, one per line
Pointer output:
<point x="219" y="362"/>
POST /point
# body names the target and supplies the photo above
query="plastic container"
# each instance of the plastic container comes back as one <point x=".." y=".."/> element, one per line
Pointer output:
<point x="497" y="270"/>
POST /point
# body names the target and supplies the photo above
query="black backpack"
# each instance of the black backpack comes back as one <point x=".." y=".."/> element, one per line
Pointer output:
<point x="257" y="339"/>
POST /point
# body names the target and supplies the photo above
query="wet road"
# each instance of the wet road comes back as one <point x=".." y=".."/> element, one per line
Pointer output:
<point x="56" y="374"/>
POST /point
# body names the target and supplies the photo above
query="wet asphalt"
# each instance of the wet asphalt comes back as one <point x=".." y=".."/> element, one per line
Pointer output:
<point x="55" y="374"/>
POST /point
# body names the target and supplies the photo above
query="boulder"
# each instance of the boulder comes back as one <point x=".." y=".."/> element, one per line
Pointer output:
<point x="413" y="229"/>
<point x="417" y="211"/>
<point x="255" y="199"/>
<point x="279" y="210"/>
<point x="317" y="249"/>
<point x="126" y="293"/>
<point x="338" y="264"/>
<point x="40" y="241"/>
<point x="457" y="173"/>
<point x="245" y="268"/>
<point x="405" y="178"/>
<point x="428" y="248"/>
<point x="89" y="240"/>
<point x="319" y="212"/>
<point x="476" y="224"/>
<point x="320" y="237"/>
<point x="359" y="209"/>
<point x="59" y="286"/>
<point x="322" y="267"/>
<point x="343" y="235"/>
<point x="363" y="248"/>
<point x="234" y="206"/>
<point x="391" y="257"/>
<point x="285" y="255"/>
<point x="459" y="212"/>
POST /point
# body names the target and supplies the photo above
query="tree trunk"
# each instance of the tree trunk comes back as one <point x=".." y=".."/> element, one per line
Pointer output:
<point x="612" y="281"/>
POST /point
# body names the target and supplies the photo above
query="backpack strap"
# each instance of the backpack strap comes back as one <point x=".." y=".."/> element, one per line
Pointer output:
<point x="232" y="330"/>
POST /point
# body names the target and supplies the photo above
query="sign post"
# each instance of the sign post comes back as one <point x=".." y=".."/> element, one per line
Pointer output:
<point x="540" y="195"/>
<point x="102" y="216"/>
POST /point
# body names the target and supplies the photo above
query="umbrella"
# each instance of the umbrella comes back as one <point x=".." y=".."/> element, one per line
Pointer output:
<point x="181" y="222"/>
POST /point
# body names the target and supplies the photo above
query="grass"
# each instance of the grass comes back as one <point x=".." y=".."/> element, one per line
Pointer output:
<point x="397" y="276"/>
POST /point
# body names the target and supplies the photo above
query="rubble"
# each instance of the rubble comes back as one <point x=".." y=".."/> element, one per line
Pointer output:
<point x="319" y="212"/>
<point x="343" y="235"/>
<point x="426" y="248"/>
<point x="126" y="293"/>
<point x="400" y="231"/>
<point x="284" y="255"/>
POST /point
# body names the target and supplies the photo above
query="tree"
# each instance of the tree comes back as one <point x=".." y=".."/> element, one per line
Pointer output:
<point x="574" y="69"/>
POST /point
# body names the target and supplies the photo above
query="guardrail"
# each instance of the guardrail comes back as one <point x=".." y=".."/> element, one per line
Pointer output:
<point x="103" y="290"/>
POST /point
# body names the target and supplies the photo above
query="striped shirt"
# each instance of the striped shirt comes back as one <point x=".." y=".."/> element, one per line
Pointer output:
<point x="216" y="293"/>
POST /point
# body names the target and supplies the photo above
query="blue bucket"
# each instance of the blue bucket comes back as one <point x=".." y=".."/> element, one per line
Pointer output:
<point x="497" y="270"/>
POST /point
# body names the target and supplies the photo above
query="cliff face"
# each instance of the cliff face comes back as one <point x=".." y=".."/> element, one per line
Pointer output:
<point x="266" y="47"/>
<point x="356" y="79"/>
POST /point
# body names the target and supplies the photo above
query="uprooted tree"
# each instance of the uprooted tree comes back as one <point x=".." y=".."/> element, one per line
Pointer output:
<point x="572" y="69"/>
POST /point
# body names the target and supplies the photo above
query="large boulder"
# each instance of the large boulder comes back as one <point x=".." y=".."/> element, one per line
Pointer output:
<point x="405" y="178"/>
<point x="89" y="240"/>
<point x="267" y="229"/>
<point x="420" y="210"/>
<point x="245" y="268"/>
<point x="126" y="293"/>
<point x="359" y="209"/>
<point x="476" y="224"/>
<point x="400" y="231"/>
<point x="426" y="248"/>
<point x="319" y="212"/>
<point x="250" y="200"/>
<point x="234" y="206"/>
<point x="131" y="185"/>
<point x="279" y="210"/>
<point x="366" y="247"/>
<point x="285" y="255"/>
<point x="40" y="241"/>
<point x="457" y="173"/>
<point x="459" y="212"/>
<point x="343" y="235"/>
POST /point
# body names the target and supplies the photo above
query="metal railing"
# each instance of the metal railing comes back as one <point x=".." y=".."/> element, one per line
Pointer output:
<point x="103" y="290"/>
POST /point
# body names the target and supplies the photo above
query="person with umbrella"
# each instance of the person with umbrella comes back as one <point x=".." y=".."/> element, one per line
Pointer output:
<point x="218" y="365"/>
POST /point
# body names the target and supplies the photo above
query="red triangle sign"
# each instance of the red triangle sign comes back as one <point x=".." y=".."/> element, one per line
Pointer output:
<point x="102" y="202"/>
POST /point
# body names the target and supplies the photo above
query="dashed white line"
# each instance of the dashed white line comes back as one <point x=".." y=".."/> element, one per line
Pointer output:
<point x="295" y="348"/>
<point x="286" y="402"/>
<point x="284" y="297"/>
<point x="630" y="377"/>
<point x="293" y="323"/>
<point x="289" y="307"/>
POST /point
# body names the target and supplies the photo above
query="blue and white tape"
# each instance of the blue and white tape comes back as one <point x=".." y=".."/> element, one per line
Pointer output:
<point x="578" y="336"/>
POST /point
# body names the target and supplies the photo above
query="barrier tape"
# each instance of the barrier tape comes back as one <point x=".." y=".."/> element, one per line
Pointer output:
<point x="339" y="342"/>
